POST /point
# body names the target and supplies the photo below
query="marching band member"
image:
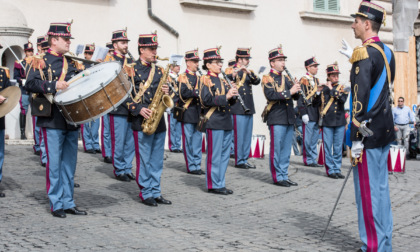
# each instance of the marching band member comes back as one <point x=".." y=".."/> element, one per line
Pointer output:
<point x="332" y="116"/>
<point x="51" y="73"/>
<point x="309" y="109"/>
<point x="190" y="102"/>
<point x="122" y="142"/>
<point x="174" y="127"/>
<point x="243" y="120"/>
<point x="216" y="98"/>
<point x="149" y="148"/>
<point x="4" y="83"/>
<point x="280" y="91"/>
<point x="370" y="100"/>
<point x="105" y="127"/>
<point x="20" y="76"/>
<point x="90" y="130"/>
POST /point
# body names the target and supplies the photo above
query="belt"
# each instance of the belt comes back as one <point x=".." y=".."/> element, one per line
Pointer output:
<point x="401" y="124"/>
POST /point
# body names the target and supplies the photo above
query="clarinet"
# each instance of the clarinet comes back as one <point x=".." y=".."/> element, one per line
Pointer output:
<point x="239" y="96"/>
<point x="131" y="56"/>
<point x="301" y="92"/>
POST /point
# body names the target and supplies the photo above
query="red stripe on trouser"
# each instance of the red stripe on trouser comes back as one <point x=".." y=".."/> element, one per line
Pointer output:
<point x="82" y="128"/>
<point x="372" y="238"/>
<point x="235" y="139"/>
<point x="112" y="130"/>
<point x="209" y="158"/>
<point x="184" y="147"/>
<point x="137" y="150"/>
<point x="272" y="168"/>
<point x="303" y="145"/>
<point x="102" y="137"/>
<point x="44" y="134"/>
<point x="169" y="132"/>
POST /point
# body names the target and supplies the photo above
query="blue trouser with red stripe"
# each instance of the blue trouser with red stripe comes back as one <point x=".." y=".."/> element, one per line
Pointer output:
<point x="217" y="160"/>
<point x="61" y="150"/>
<point x="191" y="144"/>
<point x="1" y="153"/>
<point x="310" y="141"/>
<point x="280" y="149"/>
<point x="242" y="136"/>
<point x="149" y="162"/>
<point x="373" y="200"/>
<point x="90" y="135"/>
<point x="122" y="144"/>
<point x="333" y="138"/>
<point x="106" y="137"/>
<point x="174" y="133"/>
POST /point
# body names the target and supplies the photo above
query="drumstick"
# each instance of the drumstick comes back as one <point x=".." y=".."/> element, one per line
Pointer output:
<point x="84" y="73"/>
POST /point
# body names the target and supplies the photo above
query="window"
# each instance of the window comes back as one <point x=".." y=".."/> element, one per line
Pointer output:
<point x="328" y="6"/>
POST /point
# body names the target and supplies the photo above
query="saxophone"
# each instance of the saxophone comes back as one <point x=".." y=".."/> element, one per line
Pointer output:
<point x="159" y="104"/>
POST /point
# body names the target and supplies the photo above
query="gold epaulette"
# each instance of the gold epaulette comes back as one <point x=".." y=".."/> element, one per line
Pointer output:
<point x="304" y="81"/>
<point x="359" y="53"/>
<point x="267" y="79"/>
<point x="182" y="78"/>
<point x="206" y="81"/>
<point x="229" y="70"/>
<point x="79" y="65"/>
<point x="6" y="70"/>
<point x="29" y="59"/>
<point x="108" y="58"/>
<point x="38" y="62"/>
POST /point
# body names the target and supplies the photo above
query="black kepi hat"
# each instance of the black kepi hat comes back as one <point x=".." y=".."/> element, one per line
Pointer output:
<point x="333" y="68"/>
<point x="60" y="29"/>
<point x="212" y="53"/>
<point x="276" y="53"/>
<point x="371" y="11"/>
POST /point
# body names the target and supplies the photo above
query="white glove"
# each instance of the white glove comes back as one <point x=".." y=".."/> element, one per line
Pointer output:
<point x="346" y="50"/>
<point x="305" y="119"/>
<point x="356" y="149"/>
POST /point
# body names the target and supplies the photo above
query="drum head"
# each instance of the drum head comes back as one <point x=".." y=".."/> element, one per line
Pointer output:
<point x="102" y="73"/>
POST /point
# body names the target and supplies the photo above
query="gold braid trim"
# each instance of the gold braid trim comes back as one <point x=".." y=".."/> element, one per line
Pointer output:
<point x="229" y="70"/>
<point x="359" y="53"/>
<point x="267" y="79"/>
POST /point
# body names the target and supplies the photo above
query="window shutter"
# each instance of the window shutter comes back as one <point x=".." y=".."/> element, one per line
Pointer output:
<point x="319" y="5"/>
<point x="334" y="6"/>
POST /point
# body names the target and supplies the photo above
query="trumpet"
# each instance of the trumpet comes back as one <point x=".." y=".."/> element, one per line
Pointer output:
<point x="301" y="92"/>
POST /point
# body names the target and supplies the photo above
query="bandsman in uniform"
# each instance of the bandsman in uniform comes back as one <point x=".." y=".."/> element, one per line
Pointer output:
<point x="4" y="83"/>
<point x="309" y="110"/>
<point x="51" y="74"/>
<point x="216" y="98"/>
<point x="122" y="142"/>
<point x="190" y="102"/>
<point x="149" y="148"/>
<point x="333" y="121"/>
<point x="20" y="70"/>
<point x="90" y="130"/>
<point x="243" y="121"/>
<point x="231" y="63"/>
<point x="174" y="126"/>
<point x="279" y="114"/>
<point x="105" y="127"/>
<point x="370" y="100"/>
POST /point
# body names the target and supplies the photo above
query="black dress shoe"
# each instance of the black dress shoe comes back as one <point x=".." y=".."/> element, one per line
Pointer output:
<point x="291" y="182"/>
<point x="98" y="151"/>
<point x="229" y="191"/>
<point x="333" y="176"/>
<point x="232" y="155"/>
<point x="76" y="185"/>
<point x="222" y="191"/>
<point x="250" y="166"/>
<point x="316" y="165"/>
<point x="340" y="176"/>
<point x="179" y="151"/>
<point x="37" y="152"/>
<point x="150" y="202"/>
<point x="242" y="166"/>
<point x="161" y="200"/>
<point x="108" y="160"/>
<point x="2" y="195"/>
<point x="282" y="183"/>
<point x="123" y="177"/>
<point x="59" y="213"/>
<point x="75" y="211"/>
<point x="90" y="151"/>
<point x="43" y="164"/>
<point x="196" y="172"/>
<point x="131" y="176"/>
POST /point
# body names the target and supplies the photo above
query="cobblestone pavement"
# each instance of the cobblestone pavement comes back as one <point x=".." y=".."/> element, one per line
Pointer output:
<point x="257" y="217"/>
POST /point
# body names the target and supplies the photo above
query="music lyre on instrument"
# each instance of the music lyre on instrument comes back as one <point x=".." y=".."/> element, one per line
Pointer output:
<point x="12" y="95"/>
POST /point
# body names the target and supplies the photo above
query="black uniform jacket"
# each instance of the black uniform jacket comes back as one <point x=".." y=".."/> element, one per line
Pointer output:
<point x="313" y="110"/>
<point x="277" y="89"/>
<point x="47" y="68"/>
<point x="19" y="72"/>
<point x="335" y="115"/>
<point x="213" y="93"/>
<point x="122" y="109"/>
<point x="244" y="84"/>
<point x="364" y="74"/>
<point x="189" y="89"/>
<point x="142" y="76"/>
<point x="4" y="83"/>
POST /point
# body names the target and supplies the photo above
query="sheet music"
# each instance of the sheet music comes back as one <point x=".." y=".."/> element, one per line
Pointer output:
<point x="79" y="49"/>
<point x="100" y="53"/>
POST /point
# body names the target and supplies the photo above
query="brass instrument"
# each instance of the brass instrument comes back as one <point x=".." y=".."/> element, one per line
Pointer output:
<point x="159" y="104"/>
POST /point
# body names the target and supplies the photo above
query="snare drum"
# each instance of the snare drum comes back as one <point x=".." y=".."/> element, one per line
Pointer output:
<point x="95" y="95"/>
<point x="396" y="158"/>
<point x="257" y="146"/>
